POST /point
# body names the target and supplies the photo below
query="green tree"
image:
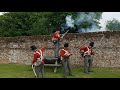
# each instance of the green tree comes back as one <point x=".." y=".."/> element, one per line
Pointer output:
<point x="87" y="20"/>
<point x="113" y="25"/>
<point x="37" y="23"/>
<point x="17" y="23"/>
<point x="56" y="19"/>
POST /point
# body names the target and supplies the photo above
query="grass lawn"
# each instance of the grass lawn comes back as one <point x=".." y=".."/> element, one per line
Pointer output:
<point x="25" y="71"/>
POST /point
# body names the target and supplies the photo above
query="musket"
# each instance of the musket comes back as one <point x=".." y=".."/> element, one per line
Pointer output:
<point x="64" y="34"/>
<point x="34" y="71"/>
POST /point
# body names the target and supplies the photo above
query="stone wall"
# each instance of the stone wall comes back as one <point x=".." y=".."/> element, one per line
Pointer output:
<point x="107" y="48"/>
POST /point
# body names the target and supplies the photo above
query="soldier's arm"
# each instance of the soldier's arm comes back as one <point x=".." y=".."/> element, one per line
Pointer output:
<point x="57" y="35"/>
<point x="63" y="54"/>
<point x="92" y="53"/>
<point x="35" y="58"/>
<point x="82" y="51"/>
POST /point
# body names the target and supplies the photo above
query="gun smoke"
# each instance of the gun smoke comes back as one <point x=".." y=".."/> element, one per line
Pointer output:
<point x="80" y="20"/>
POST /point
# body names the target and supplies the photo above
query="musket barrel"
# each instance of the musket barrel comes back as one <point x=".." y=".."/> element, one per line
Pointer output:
<point x="65" y="33"/>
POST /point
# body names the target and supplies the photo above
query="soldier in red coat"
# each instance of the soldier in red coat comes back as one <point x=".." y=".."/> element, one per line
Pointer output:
<point x="65" y="57"/>
<point x="87" y="53"/>
<point x="38" y="61"/>
<point x="56" y="40"/>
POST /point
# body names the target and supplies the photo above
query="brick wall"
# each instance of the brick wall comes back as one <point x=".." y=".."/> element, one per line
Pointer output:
<point x="107" y="48"/>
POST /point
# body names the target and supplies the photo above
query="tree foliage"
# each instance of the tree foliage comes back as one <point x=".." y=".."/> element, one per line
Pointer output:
<point x="34" y="23"/>
<point x="113" y="25"/>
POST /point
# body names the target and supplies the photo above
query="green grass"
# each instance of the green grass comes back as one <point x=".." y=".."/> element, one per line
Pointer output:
<point x="25" y="71"/>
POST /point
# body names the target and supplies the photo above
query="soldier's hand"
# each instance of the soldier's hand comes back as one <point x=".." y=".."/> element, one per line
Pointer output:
<point x="61" y="37"/>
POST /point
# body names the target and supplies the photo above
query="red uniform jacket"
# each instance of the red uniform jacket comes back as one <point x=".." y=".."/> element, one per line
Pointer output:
<point x="56" y="36"/>
<point x="65" y="53"/>
<point x="37" y="55"/>
<point x="86" y="50"/>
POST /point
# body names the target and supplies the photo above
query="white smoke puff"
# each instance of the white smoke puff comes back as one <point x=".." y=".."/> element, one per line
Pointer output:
<point x="86" y="17"/>
<point x="92" y="14"/>
<point x="90" y="17"/>
<point x="81" y="30"/>
<point x="69" y="21"/>
<point x="93" y="28"/>
<point x="80" y="18"/>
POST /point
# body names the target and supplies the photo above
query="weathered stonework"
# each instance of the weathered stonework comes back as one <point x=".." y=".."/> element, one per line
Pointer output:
<point x="107" y="48"/>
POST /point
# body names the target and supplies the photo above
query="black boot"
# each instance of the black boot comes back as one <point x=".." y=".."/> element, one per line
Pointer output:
<point x="90" y="71"/>
<point x="71" y="74"/>
<point x="86" y="72"/>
